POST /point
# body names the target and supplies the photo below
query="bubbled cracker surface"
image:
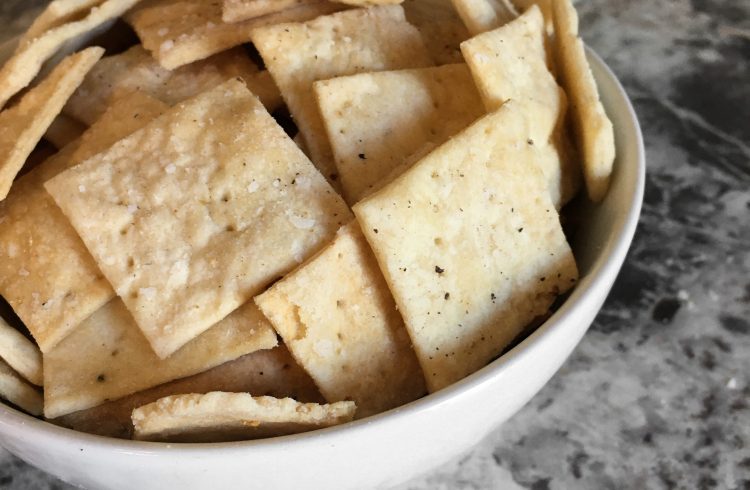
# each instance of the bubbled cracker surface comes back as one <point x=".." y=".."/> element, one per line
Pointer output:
<point x="340" y="322"/>
<point x="470" y="245"/>
<point x="194" y="214"/>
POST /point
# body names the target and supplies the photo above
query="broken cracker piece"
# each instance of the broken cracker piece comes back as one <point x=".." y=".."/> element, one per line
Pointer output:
<point x="269" y="372"/>
<point x="23" y="125"/>
<point x="349" y="42"/>
<point x="220" y="416"/>
<point x="339" y="320"/>
<point x="470" y="244"/>
<point x="196" y="213"/>
<point x="107" y="357"/>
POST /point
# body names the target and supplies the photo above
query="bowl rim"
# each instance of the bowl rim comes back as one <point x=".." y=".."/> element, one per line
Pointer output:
<point x="606" y="265"/>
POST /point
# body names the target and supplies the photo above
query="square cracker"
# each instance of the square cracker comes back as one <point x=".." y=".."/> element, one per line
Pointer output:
<point x="136" y="70"/>
<point x="376" y="120"/>
<point x="593" y="129"/>
<point x="339" y="320"/>
<point x="239" y="10"/>
<point x="20" y="353"/>
<point x="23" y="125"/>
<point x="220" y="416"/>
<point x="107" y="357"/>
<point x="484" y="15"/>
<point x="269" y="372"/>
<point x="24" y="65"/>
<point x="17" y="391"/>
<point x="345" y="43"/>
<point x="440" y="26"/>
<point x="470" y="245"/>
<point x="196" y="213"/>
<point x="180" y="32"/>
<point x="509" y="63"/>
<point x="46" y="273"/>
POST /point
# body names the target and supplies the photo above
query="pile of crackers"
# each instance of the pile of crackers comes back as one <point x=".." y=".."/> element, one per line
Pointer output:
<point x="186" y="262"/>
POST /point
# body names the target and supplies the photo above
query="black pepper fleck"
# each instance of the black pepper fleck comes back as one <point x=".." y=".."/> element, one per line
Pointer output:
<point x="439" y="270"/>
<point x="447" y="295"/>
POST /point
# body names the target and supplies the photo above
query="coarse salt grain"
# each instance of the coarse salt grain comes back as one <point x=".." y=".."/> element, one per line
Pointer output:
<point x="166" y="45"/>
<point x="147" y="293"/>
<point x="254" y="186"/>
<point x="170" y="168"/>
<point x="162" y="32"/>
<point x="81" y="188"/>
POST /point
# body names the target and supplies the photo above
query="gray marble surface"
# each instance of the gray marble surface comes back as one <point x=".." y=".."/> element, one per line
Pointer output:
<point x="657" y="396"/>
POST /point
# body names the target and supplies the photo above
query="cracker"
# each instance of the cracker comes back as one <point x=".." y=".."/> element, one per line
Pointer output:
<point x="544" y="5"/>
<point x="23" y="125"/>
<point x="57" y="13"/>
<point x="593" y="129"/>
<point x="190" y="226"/>
<point x="20" y="353"/>
<point x="440" y="26"/>
<point x="340" y="322"/>
<point x="354" y="41"/>
<point x="470" y="245"/>
<point x="270" y="372"/>
<point x="46" y="273"/>
<point x="107" y="357"/>
<point x="137" y="70"/>
<point x="181" y="32"/>
<point x="19" y="392"/>
<point x="369" y="3"/>
<point x="221" y="416"/>
<point x="509" y="63"/>
<point x="20" y="70"/>
<point x="484" y="15"/>
<point x="63" y="130"/>
<point x="239" y="10"/>
<point x="376" y="120"/>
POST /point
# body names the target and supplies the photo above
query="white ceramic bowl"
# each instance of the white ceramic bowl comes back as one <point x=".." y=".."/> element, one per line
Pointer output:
<point x="389" y="448"/>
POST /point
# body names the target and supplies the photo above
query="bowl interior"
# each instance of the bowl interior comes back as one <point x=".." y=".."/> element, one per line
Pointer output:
<point x="600" y="246"/>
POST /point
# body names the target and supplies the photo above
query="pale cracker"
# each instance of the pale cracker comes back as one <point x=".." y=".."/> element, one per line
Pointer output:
<point x="354" y="41"/>
<point x="23" y="125"/>
<point x="107" y="357"/>
<point x="509" y="63"/>
<point x="470" y="245"/>
<point x="17" y="391"/>
<point x="187" y="227"/>
<point x="484" y="15"/>
<point x="339" y="320"/>
<point x="181" y="32"/>
<point x="46" y="273"/>
<point x="221" y="416"/>
<point x="20" y="353"/>
<point x="376" y="120"/>
<point x="239" y="10"/>
<point x="137" y="70"/>
<point x="593" y="129"/>
<point x="20" y="70"/>
<point x="369" y="3"/>
<point x="440" y="26"/>
<point x="63" y="130"/>
<point x="269" y="372"/>
<point x="57" y="13"/>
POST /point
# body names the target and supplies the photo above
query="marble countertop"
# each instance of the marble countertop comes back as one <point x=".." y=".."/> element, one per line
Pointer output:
<point x="657" y="395"/>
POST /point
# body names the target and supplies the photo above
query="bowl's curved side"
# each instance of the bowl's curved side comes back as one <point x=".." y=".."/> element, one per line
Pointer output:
<point x="389" y="448"/>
